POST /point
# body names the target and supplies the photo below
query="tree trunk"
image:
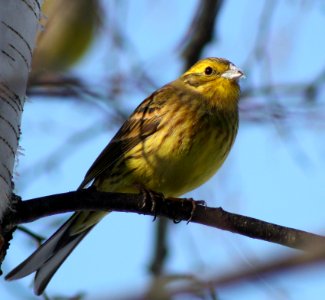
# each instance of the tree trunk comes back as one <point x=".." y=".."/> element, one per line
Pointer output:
<point x="19" y="21"/>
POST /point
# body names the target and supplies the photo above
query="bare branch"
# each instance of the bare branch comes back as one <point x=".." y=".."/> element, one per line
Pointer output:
<point x="38" y="238"/>
<point x="160" y="247"/>
<point x="201" y="30"/>
<point x="173" y="208"/>
<point x="316" y="255"/>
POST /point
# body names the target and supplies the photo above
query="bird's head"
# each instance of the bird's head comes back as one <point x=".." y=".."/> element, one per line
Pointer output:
<point x="216" y="79"/>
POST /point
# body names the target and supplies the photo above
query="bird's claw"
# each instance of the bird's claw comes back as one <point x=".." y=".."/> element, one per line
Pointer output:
<point x="194" y="203"/>
<point x="149" y="195"/>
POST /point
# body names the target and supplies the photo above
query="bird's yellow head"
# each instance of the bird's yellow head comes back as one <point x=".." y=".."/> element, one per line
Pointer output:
<point x="216" y="79"/>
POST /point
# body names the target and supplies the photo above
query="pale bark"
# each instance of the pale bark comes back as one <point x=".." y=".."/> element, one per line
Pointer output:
<point x="19" y="22"/>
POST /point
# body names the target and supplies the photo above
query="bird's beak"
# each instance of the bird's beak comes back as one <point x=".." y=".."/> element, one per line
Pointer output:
<point x="233" y="73"/>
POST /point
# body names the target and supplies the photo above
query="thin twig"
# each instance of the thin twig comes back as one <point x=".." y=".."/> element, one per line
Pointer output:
<point x="38" y="238"/>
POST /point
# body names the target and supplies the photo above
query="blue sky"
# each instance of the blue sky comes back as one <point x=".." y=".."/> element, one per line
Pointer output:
<point x="275" y="171"/>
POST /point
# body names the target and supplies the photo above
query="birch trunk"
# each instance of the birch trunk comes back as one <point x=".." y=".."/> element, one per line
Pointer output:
<point x="19" y="21"/>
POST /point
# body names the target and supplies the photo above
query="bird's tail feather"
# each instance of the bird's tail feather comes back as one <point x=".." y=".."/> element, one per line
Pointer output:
<point x="51" y="254"/>
<point x="48" y="269"/>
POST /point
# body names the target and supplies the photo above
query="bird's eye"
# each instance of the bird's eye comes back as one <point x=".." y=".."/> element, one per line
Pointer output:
<point x="208" y="71"/>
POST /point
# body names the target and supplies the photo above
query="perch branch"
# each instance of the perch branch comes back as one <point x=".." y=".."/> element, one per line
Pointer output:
<point x="175" y="209"/>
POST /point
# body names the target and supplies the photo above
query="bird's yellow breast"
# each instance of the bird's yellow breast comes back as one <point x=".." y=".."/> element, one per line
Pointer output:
<point x="176" y="161"/>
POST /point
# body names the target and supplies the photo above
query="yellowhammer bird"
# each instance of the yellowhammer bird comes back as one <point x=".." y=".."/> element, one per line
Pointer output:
<point x="174" y="141"/>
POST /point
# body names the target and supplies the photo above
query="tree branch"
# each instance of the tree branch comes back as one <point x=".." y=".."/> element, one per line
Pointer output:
<point x="271" y="268"/>
<point x="201" y="30"/>
<point x="161" y="248"/>
<point x="175" y="209"/>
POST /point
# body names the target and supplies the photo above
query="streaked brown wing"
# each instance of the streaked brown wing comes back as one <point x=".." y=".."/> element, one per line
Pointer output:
<point x="142" y="123"/>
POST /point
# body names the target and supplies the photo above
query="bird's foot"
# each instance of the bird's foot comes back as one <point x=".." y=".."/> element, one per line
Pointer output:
<point x="194" y="204"/>
<point x="149" y="196"/>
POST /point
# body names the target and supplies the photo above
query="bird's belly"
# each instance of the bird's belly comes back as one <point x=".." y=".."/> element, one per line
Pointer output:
<point x="175" y="171"/>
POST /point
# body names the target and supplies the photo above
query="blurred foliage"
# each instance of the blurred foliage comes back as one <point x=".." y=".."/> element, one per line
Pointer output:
<point x="68" y="30"/>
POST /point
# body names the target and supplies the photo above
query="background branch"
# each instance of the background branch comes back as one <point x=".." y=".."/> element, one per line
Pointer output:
<point x="270" y="268"/>
<point x="201" y="30"/>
